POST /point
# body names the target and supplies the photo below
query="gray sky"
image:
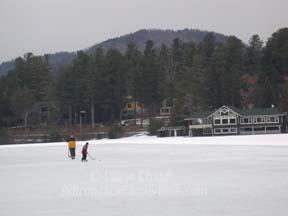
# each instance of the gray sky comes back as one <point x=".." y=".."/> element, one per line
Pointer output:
<point x="48" y="26"/>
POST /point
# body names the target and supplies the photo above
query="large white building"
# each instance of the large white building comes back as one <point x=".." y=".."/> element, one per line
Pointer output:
<point x="228" y="121"/>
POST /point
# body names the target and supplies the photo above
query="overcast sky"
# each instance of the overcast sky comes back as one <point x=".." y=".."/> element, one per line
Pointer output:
<point x="48" y="26"/>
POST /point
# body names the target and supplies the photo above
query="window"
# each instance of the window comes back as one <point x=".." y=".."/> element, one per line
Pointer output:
<point x="224" y="121"/>
<point x="258" y="129"/>
<point x="129" y="105"/>
<point x="273" y="128"/>
<point x="217" y="121"/>
<point x="247" y="129"/>
<point x="246" y="120"/>
<point x="44" y="109"/>
<point x="232" y="121"/>
<point x="206" y="121"/>
<point x="259" y="119"/>
<point x="225" y="131"/>
<point x="207" y="131"/>
<point x="272" y="119"/>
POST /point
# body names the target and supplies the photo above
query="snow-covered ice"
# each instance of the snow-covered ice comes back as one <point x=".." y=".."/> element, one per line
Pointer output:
<point x="141" y="175"/>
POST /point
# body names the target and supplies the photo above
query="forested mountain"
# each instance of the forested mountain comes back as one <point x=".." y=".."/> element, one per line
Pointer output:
<point x="159" y="37"/>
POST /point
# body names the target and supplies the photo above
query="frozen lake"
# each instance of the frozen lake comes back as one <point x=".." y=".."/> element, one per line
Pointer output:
<point x="148" y="176"/>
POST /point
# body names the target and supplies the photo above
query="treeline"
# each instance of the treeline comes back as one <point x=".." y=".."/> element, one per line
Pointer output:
<point x="188" y="77"/>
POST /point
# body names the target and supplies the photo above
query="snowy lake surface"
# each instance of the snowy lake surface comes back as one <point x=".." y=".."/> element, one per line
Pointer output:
<point x="141" y="175"/>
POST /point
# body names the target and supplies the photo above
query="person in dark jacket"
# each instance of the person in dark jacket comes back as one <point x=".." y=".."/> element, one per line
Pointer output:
<point x="85" y="152"/>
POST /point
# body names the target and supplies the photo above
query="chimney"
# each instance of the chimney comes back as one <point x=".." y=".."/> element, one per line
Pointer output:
<point x="250" y="106"/>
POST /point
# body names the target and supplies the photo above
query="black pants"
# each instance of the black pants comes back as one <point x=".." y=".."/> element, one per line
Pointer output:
<point x="72" y="153"/>
<point x="84" y="156"/>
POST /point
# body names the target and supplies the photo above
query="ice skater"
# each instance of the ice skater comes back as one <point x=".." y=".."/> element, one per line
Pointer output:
<point x="72" y="146"/>
<point x="85" y="152"/>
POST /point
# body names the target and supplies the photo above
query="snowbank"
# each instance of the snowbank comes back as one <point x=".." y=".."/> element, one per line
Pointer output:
<point x="262" y="140"/>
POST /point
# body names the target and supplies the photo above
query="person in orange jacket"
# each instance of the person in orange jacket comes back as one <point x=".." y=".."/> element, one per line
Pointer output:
<point x="72" y="146"/>
<point x="85" y="152"/>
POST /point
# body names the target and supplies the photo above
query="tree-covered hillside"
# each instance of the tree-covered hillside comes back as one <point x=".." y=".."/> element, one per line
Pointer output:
<point x="158" y="36"/>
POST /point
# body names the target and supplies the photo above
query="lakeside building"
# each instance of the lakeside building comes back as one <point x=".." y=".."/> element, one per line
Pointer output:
<point x="232" y="121"/>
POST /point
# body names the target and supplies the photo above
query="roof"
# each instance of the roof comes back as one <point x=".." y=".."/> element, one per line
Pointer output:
<point x="199" y="115"/>
<point x="259" y="111"/>
<point x="241" y="112"/>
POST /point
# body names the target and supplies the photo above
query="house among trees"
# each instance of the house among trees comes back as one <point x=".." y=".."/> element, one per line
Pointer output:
<point x="132" y="107"/>
<point x="232" y="121"/>
<point x="165" y="109"/>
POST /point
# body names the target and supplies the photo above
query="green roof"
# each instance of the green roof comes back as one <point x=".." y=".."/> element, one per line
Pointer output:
<point x="242" y="112"/>
<point x="200" y="114"/>
<point x="258" y="111"/>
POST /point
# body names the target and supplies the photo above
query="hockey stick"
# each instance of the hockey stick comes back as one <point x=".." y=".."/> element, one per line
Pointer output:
<point x="92" y="158"/>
